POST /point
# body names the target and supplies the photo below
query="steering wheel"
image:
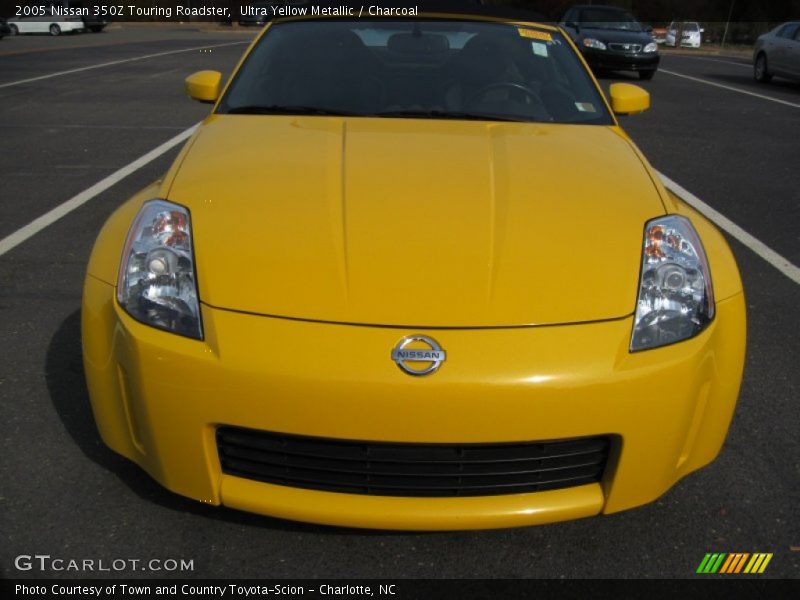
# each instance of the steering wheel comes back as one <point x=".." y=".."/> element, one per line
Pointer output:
<point x="521" y="89"/>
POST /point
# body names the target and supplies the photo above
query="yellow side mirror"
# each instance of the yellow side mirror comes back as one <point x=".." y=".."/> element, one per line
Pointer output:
<point x="204" y="86"/>
<point x="628" y="99"/>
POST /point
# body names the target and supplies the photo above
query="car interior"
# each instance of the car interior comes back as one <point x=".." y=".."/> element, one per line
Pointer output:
<point x="354" y="69"/>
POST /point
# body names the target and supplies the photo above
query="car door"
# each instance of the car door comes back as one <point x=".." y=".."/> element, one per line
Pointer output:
<point x="778" y="57"/>
<point x="37" y="24"/>
<point x="793" y="55"/>
<point x="672" y="34"/>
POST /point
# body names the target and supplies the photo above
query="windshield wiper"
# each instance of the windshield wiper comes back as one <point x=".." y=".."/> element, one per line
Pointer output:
<point x="276" y="109"/>
<point x="280" y="109"/>
<point x="446" y="114"/>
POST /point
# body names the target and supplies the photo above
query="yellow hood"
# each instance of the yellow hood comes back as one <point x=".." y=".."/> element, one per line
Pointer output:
<point x="417" y="223"/>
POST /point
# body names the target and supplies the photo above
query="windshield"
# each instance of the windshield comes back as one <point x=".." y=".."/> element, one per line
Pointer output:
<point x="594" y="18"/>
<point x="435" y="69"/>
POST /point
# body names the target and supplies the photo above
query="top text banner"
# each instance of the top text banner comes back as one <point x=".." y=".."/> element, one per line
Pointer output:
<point x="233" y="11"/>
<point x="195" y="10"/>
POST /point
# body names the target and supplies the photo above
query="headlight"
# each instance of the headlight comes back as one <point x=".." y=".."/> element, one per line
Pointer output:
<point x="157" y="283"/>
<point x="651" y="47"/>
<point x="676" y="299"/>
<point x="593" y="43"/>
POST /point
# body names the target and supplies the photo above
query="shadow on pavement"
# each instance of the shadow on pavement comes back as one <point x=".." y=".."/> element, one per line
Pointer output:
<point x="745" y="81"/>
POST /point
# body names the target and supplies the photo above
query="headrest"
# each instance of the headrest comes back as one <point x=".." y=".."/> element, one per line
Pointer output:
<point x="481" y="60"/>
<point x="415" y="44"/>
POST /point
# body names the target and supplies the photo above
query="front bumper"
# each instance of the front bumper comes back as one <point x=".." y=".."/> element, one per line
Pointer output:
<point x="617" y="61"/>
<point x="158" y="399"/>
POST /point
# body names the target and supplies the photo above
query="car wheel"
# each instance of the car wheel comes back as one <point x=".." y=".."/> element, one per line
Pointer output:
<point x="646" y="75"/>
<point x="55" y="29"/>
<point x="96" y="28"/>
<point x="760" y="71"/>
<point x="13" y="28"/>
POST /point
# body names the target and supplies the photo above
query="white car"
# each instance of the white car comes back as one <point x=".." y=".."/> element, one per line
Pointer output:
<point x="690" y="31"/>
<point x="45" y="22"/>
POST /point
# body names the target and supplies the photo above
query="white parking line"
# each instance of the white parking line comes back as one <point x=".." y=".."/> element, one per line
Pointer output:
<point x="35" y="226"/>
<point x="731" y="88"/>
<point x="760" y="248"/>
<point x="116" y="62"/>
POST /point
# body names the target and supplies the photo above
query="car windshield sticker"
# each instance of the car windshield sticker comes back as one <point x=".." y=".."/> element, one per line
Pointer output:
<point x="535" y="35"/>
<point x="539" y="49"/>
<point x="585" y="107"/>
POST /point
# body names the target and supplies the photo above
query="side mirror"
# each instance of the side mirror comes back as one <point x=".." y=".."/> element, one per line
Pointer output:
<point x="204" y="86"/>
<point x="574" y="25"/>
<point x="648" y="29"/>
<point x="628" y="99"/>
<point x="702" y="30"/>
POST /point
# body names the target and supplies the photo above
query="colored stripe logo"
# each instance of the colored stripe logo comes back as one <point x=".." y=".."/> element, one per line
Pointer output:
<point x="735" y="562"/>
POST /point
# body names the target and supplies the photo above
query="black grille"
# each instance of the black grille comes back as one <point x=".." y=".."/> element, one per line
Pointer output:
<point x="389" y="469"/>
<point x="631" y="48"/>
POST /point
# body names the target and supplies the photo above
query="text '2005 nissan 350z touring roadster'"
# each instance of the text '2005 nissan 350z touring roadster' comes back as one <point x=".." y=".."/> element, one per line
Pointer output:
<point x="412" y="274"/>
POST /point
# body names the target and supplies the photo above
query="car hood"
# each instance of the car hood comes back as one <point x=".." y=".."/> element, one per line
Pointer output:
<point x="617" y="37"/>
<point x="418" y="223"/>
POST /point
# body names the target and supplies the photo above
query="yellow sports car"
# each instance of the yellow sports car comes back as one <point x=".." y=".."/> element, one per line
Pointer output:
<point x="411" y="273"/>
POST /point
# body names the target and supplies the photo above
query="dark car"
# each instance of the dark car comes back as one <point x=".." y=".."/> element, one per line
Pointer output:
<point x="4" y="28"/>
<point x="778" y="53"/>
<point x="95" y="24"/>
<point x="611" y="39"/>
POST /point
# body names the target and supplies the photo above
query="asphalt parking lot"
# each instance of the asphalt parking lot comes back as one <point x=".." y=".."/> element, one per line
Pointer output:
<point x="712" y="129"/>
